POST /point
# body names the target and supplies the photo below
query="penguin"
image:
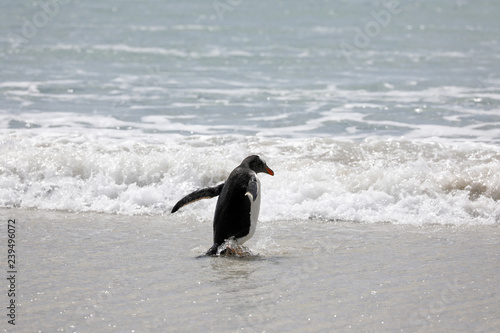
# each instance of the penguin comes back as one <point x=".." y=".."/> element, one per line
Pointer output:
<point x="238" y="205"/>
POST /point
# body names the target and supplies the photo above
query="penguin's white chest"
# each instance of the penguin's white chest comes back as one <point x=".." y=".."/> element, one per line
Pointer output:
<point x="254" y="214"/>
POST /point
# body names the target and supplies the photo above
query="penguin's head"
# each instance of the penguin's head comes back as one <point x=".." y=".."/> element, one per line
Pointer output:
<point x="257" y="164"/>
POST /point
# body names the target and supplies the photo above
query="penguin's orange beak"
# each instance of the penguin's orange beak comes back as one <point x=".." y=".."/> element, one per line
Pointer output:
<point x="269" y="171"/>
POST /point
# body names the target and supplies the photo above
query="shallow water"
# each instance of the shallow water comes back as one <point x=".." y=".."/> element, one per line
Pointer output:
<point x="92" y="272"/>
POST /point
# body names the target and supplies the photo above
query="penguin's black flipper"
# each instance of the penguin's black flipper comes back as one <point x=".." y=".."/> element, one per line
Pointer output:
<point x="204" y="193"/>
<point x="252" y="189"/>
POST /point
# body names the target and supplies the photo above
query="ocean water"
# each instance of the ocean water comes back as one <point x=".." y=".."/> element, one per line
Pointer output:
<point x="379" y="118"/>
<point x="369" y="111"/>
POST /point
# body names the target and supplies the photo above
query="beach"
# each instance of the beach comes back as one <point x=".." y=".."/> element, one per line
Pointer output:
<point x="84" y="272"/>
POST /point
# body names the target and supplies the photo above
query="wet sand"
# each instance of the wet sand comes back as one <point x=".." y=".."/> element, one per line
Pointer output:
<point x="92" y="272"/>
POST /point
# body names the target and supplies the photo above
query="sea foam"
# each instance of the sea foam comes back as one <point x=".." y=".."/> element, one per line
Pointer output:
<point x="373" y="180"/>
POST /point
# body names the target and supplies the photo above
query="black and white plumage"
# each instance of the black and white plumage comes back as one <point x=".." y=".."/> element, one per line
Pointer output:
<point x="238" y="205"/>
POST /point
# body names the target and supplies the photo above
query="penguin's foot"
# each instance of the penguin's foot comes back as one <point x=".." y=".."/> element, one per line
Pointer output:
<point x="212" y="251"/>
<point x="231" y="248"/>
<point x="240" y="251"/>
